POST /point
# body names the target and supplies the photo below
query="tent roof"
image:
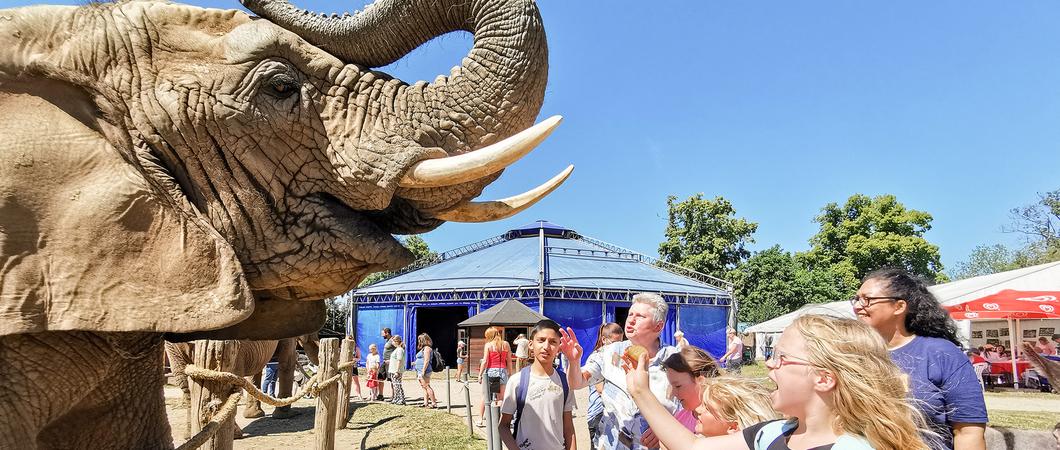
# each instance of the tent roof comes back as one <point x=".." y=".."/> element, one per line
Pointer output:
<point x="506" y="313"/>
<point x="514" y="260"/>
<point x="1035" y="278"/>
<point x="1043" y="277"/>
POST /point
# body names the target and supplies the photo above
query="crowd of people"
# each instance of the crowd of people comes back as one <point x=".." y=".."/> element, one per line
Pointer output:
<point x="893" y="378"/>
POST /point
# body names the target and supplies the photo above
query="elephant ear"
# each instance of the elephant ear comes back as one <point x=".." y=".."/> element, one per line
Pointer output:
<point x="86" y="240"/>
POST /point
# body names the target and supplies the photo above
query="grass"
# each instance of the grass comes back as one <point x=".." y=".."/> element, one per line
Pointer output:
<point x="1021" y="394"/>
<point x="1024" y="420"/>
<point x="397" y="427"/>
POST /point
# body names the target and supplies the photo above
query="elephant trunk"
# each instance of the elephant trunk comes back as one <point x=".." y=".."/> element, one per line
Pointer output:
<point x="496" y="92"/>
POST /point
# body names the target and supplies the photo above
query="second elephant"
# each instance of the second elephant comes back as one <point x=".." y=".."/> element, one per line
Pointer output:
<point x="252" y="356"/>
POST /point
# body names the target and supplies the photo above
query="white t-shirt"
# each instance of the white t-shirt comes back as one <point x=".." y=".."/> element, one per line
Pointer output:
<point x="521" y="348"/>
<point x="541" y="427"/>
<point x="622" y="424"/>
<point x="397" y="361"/>
<point x="372" y="361"/>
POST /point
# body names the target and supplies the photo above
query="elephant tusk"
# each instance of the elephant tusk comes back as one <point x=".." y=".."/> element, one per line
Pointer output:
<point x="473" y="212"/>
<point x="471" y="166"/>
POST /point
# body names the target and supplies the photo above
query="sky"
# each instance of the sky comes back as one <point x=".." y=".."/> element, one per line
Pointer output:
<point x="781" y="108"/>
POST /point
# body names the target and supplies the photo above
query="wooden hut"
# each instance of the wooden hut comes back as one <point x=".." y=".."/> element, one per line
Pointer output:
<point x="510" y="315"/>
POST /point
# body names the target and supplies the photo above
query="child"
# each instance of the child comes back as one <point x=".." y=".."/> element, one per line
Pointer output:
<point x="732" y="403"/>
<point x="836" y="383"/>
<point x="372" y="364"/>
<point x="541" y="401"/>
<point x="396" y="368"/>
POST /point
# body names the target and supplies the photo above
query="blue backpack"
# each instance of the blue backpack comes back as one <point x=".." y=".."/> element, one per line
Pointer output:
<point x="524" y="385"/>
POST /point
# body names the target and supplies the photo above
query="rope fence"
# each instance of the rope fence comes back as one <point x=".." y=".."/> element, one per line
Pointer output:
<point x="220" y="415"/>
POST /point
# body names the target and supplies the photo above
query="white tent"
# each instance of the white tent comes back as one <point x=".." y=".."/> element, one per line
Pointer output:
<point x="1043" y="277"/>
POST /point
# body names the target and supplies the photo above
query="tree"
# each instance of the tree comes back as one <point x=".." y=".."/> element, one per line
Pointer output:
<point x="1040" y="223"/>
<point x="988" y="259"/>
<point x="868" y="233"/>
<point x="420" y="250"/>
<point x="705" y="236"/>
<point x="773" y="282"/>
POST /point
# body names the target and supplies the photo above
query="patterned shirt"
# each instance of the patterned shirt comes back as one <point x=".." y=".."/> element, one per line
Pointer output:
<point x="622" y="425"/>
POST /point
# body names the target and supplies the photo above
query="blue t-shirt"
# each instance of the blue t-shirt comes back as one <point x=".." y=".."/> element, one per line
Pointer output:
<point x="943" y="381"/>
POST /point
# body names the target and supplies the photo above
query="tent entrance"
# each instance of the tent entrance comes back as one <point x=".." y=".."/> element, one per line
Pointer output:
<point x="440" y="324"/>
<point x="621" y="312"/>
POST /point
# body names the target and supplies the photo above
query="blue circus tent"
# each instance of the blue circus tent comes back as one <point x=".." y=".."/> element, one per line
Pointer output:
<point x="575" y="280"/>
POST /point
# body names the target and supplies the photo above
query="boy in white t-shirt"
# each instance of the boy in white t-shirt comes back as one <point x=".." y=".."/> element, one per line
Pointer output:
<point x="545" y="421"/>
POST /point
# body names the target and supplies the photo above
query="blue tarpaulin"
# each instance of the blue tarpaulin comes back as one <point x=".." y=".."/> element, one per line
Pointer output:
<point x="584" y="281"/>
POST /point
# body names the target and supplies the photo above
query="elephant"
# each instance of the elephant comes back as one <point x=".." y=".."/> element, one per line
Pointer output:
<point x="250" y="360"/>
<point x="174" y="172"/>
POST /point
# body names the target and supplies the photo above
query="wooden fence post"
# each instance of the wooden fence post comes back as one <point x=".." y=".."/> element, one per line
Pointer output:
<point x="324" y="422"/>
<point x="208" y="396"/>
<point x="345" y="385"/>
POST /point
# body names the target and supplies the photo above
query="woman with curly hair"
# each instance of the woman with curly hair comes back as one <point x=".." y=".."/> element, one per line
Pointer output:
<point x="922" y="339"/>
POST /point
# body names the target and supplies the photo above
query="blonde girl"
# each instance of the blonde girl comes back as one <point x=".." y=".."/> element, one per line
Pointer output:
<point x="685" y="370"/>
<point x="731" y="403"/>
<point x="496" y="365"/>
<point x="835" y="383"/>
<point x="371" y="363"/>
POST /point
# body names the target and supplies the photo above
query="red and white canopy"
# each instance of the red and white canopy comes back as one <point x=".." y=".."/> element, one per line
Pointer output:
<point x="1010" y="304"/>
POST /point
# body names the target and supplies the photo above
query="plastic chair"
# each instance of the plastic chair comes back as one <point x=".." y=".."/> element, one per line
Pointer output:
<point x="982" y="372"/>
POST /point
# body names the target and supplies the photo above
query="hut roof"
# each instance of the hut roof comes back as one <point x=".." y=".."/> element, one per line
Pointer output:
<point x="506" y="313"/>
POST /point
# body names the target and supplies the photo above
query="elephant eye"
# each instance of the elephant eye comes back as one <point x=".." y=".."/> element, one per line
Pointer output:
<point x="281" y="86"/>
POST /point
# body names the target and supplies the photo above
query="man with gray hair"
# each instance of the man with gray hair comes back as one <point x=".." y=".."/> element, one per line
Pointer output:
<point x="622" y="427"/>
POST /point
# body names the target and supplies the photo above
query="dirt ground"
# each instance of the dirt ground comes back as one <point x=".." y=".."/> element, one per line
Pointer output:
<point x="297" y="432"/>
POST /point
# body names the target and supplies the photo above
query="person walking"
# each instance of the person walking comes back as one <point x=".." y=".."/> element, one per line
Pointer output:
<point x="494" y="369"/>
<point x="423" y="369"/>
<point x="383" y="375"/>
<point x="395" y="370"/>
<point x="521" y="353"/>
<point x="461" y="361"/>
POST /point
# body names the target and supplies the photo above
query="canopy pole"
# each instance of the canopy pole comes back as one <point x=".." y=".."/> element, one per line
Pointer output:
<point x="1012" y="342"/>
<point x="541" y="272"/>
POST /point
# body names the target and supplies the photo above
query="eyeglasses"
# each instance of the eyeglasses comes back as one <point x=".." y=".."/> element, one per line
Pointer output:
<point x="866" y="302"/>
<point x="779" y="359"/>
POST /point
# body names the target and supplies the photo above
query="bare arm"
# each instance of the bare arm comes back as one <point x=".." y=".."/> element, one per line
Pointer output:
<point x="568" y="345"/>
<point x="970" y="436"/>
<point x="504" y="427"/>
<point x="665" y="426"/>
<point x="569" y="442"/>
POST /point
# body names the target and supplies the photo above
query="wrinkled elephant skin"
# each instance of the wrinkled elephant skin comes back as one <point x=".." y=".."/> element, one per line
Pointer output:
<point x="206" y="174"/>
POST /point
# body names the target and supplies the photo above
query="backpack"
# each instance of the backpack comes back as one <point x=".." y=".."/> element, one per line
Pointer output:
<point x="437" y="362"/>
<point x="524" y="385"/>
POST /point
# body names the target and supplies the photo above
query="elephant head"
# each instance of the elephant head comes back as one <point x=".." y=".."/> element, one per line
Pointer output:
<point x="174" y="169"/>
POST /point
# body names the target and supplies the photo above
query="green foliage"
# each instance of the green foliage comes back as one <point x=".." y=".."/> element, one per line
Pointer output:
<point x="1040" y="223"/>
<point x="774" y="282"/>
<point x="866" y="233"/>
<point x="704" y="235"/>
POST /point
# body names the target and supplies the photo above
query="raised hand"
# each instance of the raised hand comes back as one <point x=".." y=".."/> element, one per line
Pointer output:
<point x="568" y="345"/>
